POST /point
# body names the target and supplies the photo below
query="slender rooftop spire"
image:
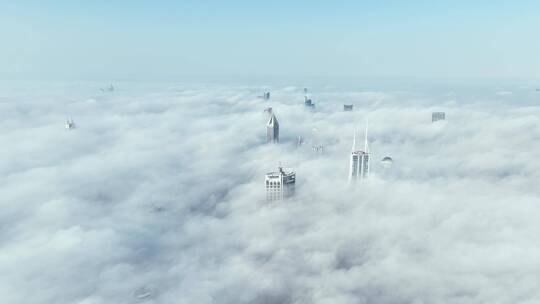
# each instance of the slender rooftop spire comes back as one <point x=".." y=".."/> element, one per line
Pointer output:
<point x="366" y="140"/>
<point x="354" y="141"/>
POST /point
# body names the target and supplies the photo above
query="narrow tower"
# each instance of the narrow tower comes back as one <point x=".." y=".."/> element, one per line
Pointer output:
<point x="272" y="129"/>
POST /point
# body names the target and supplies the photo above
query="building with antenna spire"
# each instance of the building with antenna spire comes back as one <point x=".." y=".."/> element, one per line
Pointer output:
<point x="272" y="129"/>
<point x="280" y="184"/>
<point x="359" y="161"/>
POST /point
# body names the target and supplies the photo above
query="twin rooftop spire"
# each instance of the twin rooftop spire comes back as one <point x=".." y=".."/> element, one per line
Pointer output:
<point x="365" y="142"/>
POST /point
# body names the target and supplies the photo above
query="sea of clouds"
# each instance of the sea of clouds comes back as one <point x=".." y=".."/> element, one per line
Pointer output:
<point x="158" y="196"/>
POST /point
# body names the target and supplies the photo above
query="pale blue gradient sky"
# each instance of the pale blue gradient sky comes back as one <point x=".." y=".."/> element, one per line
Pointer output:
<point x="169" y="40"/>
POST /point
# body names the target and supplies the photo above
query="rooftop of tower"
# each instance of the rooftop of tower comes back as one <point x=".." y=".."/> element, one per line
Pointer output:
<point x="359" y="152"/>
<point x="273" y="120"/>
<point x="284" y="171"/>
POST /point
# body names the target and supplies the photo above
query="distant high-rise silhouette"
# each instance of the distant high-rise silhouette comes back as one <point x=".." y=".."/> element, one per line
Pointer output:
<point x="318" y="148"/>
<point x="265" y="96"/>
<point x="435" y="116"/>
<point x="70" y="124"/>
<point x="307" y="101"/>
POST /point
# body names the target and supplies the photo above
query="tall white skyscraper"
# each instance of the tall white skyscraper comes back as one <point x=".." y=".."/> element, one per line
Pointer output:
<point x="359" y="162"/>
<point x="272" y="129"/>
<point x="280" y="184"/>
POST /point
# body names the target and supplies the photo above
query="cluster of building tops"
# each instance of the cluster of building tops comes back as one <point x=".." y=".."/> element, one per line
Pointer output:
<point x="281" y="183"/>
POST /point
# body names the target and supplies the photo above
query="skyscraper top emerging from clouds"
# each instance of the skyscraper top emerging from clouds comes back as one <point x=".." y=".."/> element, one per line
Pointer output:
<point x="435" y="116"/>
<point x="307" y="101"/>
<point x="70" y="124"/>
<point x="359" y="161"/>
<point x="280" y="184"/>
<point x="272" y="129"/>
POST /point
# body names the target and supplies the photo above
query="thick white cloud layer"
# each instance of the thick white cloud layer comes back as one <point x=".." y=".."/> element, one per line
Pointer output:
<point x="158" y="197"/>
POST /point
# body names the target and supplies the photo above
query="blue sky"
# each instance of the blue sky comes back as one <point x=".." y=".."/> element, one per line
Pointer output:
<point x="167" y="40"/>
